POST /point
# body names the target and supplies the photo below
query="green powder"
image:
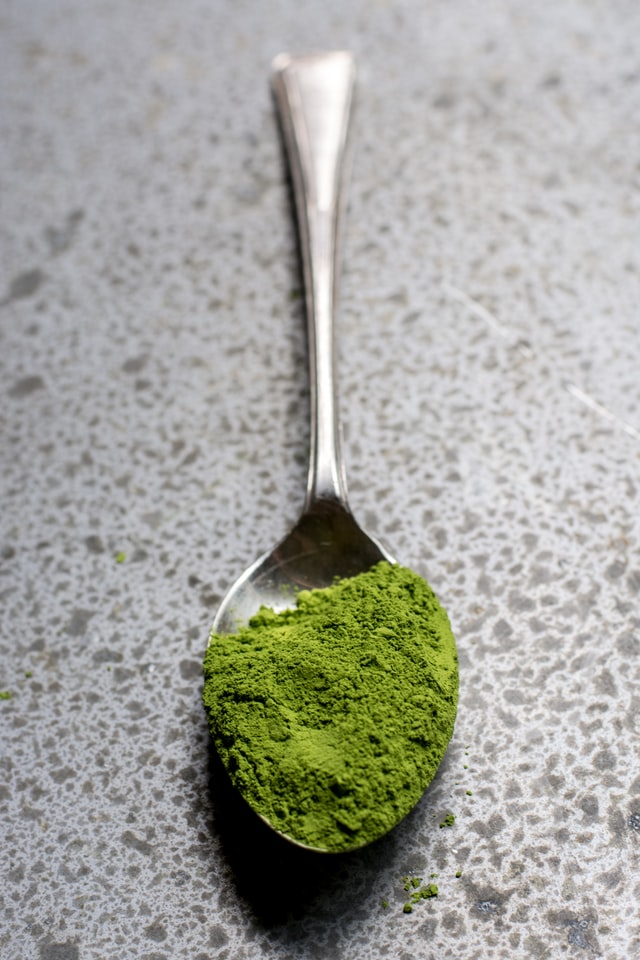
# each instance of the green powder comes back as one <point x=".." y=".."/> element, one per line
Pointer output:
<point x="417" y="892"/>
<point x="332" y="718"/>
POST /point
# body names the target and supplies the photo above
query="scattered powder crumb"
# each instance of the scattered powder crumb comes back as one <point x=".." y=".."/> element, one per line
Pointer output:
<point x="424" y="893"/>
<point x="5" y="694"/>
<point x="449" y="820"/>
<point x="121" y="557"/>
<point x="469" y="793"/>
<point x="410" y="883"/>
<point x="417" y="892"/>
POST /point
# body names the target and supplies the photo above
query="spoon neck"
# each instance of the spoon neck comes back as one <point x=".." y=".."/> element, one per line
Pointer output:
<point x="327" y="476"/>
<point x="326" y="484"/>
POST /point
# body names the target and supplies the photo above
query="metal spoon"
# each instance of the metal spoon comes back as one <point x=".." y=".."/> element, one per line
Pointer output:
<point x="313" y="94"/>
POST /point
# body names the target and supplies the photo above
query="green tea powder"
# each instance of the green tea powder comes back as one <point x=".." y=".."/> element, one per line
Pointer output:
<point x="332" y="718"/>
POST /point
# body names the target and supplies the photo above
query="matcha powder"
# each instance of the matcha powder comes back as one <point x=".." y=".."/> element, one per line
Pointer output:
<point x="332" y="718"/>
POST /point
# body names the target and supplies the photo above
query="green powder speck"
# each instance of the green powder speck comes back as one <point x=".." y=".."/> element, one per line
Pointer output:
<point x="469" y="793"/>
<point x="425" y="893"/>
<point x="28" y="674"/>
<point x="449" y="820"/>
<point x="121" y="557"/>
<point x="332" y="718"/>
<point x="410" y="883"/>
<point x="458" y="873"/>
<point x="5" y="694"/>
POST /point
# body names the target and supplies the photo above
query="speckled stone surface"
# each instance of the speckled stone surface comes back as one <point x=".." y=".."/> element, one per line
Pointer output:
<point x="154" y="436"/>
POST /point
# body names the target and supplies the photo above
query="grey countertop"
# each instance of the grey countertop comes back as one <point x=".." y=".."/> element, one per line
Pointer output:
<point x="154" y="438"/>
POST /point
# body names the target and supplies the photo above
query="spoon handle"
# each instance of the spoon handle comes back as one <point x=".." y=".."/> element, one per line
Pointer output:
<point x="313" y="94"/>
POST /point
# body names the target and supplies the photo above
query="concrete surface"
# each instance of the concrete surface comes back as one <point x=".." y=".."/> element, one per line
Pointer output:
<point x="154" y="436"/>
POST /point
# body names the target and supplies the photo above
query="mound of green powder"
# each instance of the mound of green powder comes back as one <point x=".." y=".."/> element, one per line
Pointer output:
<point x="332" y="718"/>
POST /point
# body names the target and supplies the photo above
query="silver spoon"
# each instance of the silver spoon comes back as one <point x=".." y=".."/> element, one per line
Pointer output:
<point x="313" y="94"/>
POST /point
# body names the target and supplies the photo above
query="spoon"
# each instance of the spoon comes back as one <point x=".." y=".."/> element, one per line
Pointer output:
<point x="313" y="95"/>
<point x="329" y="808"/>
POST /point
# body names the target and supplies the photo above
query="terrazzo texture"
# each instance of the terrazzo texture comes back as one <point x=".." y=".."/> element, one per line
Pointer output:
<point x="154" y="437"/>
